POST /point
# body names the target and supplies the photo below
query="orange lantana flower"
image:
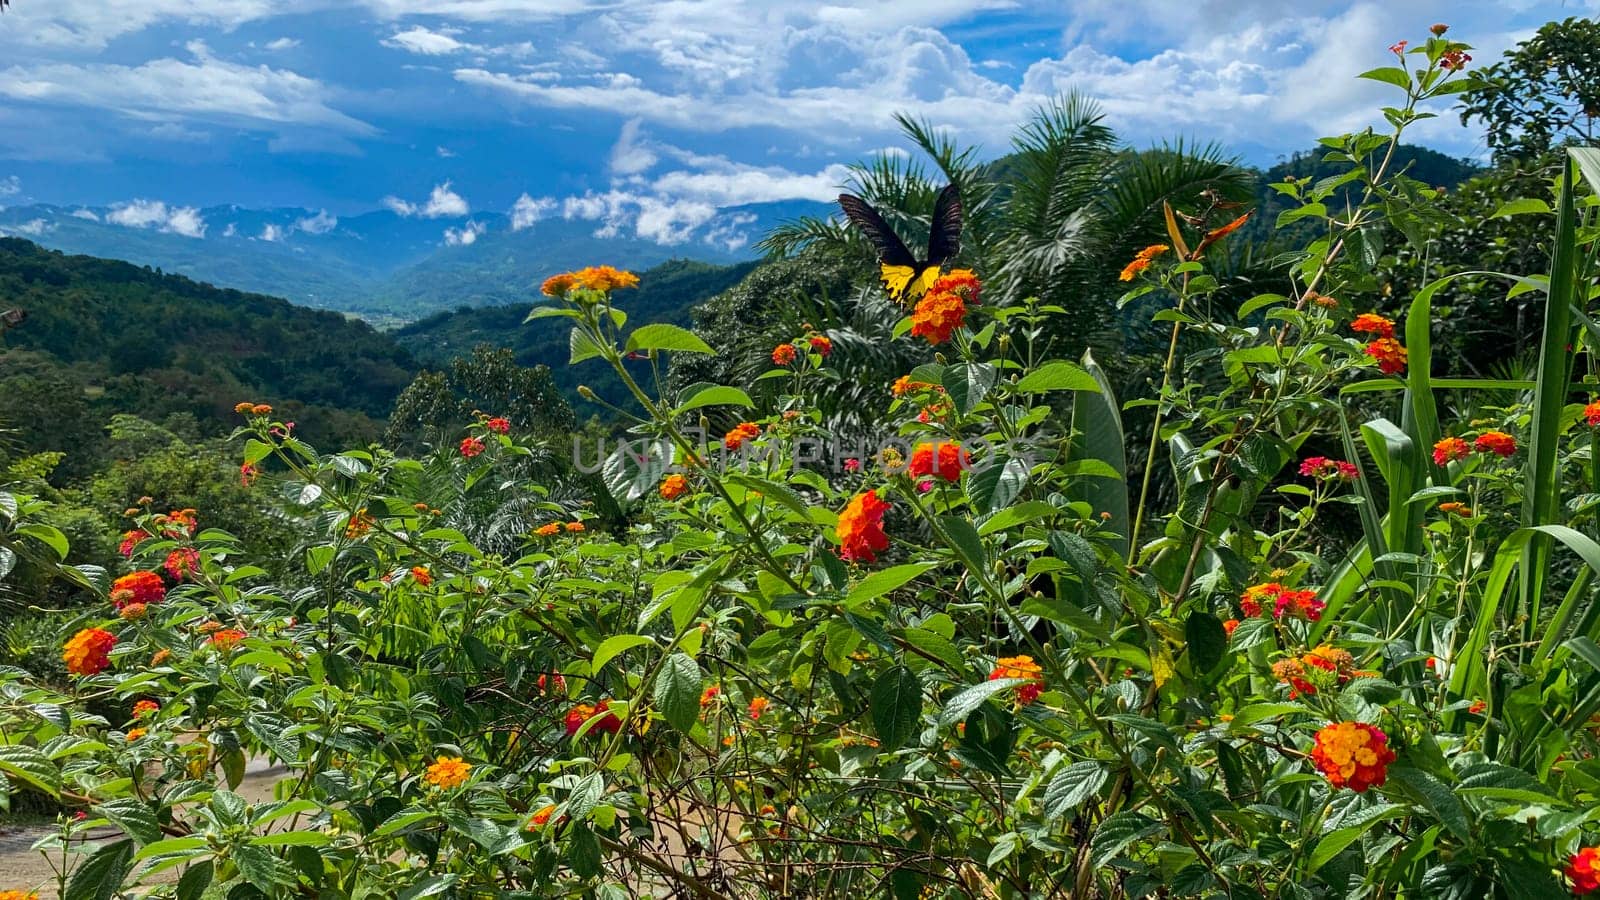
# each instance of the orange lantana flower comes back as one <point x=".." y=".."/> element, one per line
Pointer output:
<point x="1372" y="323"/>
<point x="89" y="651"/>
<point x="674" y="486"/>
<point x="605" y="278"/>
<point x="945" y="460"/>
<point x="783" y="354"/>
<point x="1390" y="356"/>
<point x="1497" y="442"/>
<point x="744" y="431"/>
<point x="1449" y="450"/>
<point x="938" y="315"/>
<point x="1020" y="667"/>
<point x="1141" y="261"/>
<point x="447" y="772"/>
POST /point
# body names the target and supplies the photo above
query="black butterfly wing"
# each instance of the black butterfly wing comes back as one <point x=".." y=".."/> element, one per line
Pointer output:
<point x="891" y="250"/>
<point x="944" y="237"/>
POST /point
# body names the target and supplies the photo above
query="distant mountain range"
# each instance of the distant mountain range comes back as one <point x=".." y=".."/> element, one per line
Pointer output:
<point x="386" y="267"/>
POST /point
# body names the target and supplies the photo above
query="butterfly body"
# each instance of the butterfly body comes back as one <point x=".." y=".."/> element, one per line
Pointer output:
<point x="904" y="276"/>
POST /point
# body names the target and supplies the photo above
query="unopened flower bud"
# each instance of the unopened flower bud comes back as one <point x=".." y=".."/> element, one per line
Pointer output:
<point x="1439" y="30"/>
<point x="585" y="393"/>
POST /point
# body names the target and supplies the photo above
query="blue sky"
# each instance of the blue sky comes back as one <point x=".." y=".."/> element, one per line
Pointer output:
<point x="644" y="116"/>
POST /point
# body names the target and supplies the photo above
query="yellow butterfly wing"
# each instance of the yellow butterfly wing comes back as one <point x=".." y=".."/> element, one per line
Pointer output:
<point x="907" y="284"/>
<point x="897" y="280"/>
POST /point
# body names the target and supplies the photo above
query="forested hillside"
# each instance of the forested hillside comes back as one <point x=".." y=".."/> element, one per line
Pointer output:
<point x="102" y="337"/>
<point x="666" y="293"/>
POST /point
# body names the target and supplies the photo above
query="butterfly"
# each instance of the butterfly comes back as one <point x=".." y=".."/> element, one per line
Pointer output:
<point x="905" y="277"/>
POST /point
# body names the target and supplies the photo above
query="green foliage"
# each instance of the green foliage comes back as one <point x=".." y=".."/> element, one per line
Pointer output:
<point x="1545" y="92"/>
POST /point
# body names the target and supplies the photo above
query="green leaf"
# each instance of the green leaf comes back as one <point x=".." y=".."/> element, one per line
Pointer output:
<point x="403" y="820"/>
<point x="883" y="581"/>
<point x="1334" y="843"/>
<point x="970" y="698"/>
<point x="678" y="691"/>
<point x="715" y="395"/>
<point x="968" y="383"/>
<point x="1097" y="435"/>
<point x="134" y="817"/>
<point x="582" y="347"/>
<point x="661" y="336"/>
<point x="432" y="886"/>
<point x="1435" y="796"/>
<point x="100" y="876"/>
<point x="1521" y="206"/>
<point x="1394" y="75"/>
<point x="1207" y="641"/>
<point x="261" y="867"/>
<point x="30" y="766"/>
<point x="195" y="880"/>
<point x="291" y="839"/>
<point x="255" y="451"/>
<point x="617" y="644"/>
<point x="965" y="542"/>
<point x="896" y="706"/>
<point x="995" y="487"/>
<point x="1058" y="375"/>
<point x="1071" y="787"/>
<point x="1117" y="832"/>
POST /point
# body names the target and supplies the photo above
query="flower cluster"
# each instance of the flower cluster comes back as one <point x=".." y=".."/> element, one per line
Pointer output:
<point x="1142" y="261"/>
<point x="182" y="563"/>
<point x="1325" y="469"/>
<point x="1323" y="667"/>
<point x="1450" y="449"/>
<point x="583" y="712"/>
<point x="594" y="278"/>
<point x="860" y="532"/>
<point x="942" y="460"/>
<point x="673" y="486"/>
<point x="145" y="708"/>
<point x="1286" y="603"/>
<point x="227" y="639"/>
<point x="740" y="435"/>
<point x="89" y="651"/>
<point x="447" y="772"/>
<point x="138" y="587"/>
<point x="471" y="446"/>
<point x="1583" y="870"/>
<point x="943" y="308"/>
<point x="1353" y="755"/>
<point x="132" y="539"/>
<point x="1020" y="667"/>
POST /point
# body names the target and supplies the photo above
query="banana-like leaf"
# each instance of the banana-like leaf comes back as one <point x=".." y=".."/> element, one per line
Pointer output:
<point x="1097" y="434"/>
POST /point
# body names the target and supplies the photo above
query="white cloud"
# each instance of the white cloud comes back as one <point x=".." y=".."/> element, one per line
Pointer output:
<point x="206" y="89"/>
<point x="231" y="231"/>
<point x="630" y="156"/>
<point x="526" y="211"/>
<point x="321" y="223"/>
<point x="282" y="44"/>
<point x="426" y="42"/>
<point x="85" y="214"/>
<point x="181" y="220"/>
<point x="444" y="152"/>
<point x="31" y="228"/>
<point x="464" y="236"/>
<point x="89" y="24"/>
<point x="272" y="233"/>
<point x="442" y="202"/>
<point x="10" y="186"/>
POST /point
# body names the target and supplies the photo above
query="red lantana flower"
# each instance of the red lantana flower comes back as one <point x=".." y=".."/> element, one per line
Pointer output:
<point x="130" y="540"/>
<point x="1374" y="324"/>
<point x="1591" y="414"/>
<point x="1497" y="442"/>
<point x="822" y="345"/>
<point x="1583" y="870"/>
<point x="138" y="587"/>
<point x="182" y="563"/>
<point x="583" y="712"/>
<point x="499" y="425"/>
<point x="944" y="460"/>
<point x="783" y="354"/>
<point x="1390" y="356"/>
<point x="471" y="446"/>
<point x="1324" y="468"/>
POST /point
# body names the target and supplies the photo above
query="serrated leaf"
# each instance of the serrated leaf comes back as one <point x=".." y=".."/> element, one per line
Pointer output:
<point x="896" y="706"/>
<point x="100" y="876"/>
<point x="135" y="818"/>
<point x="1071" y="787"/>
<point x="678" y="691"/>
<point x="1206" y="639"/>
<point x="883" y="581"/>
<point x="963" y="703"/>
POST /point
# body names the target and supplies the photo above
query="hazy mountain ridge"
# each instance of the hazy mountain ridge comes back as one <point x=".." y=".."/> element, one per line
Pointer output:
<point x="386" y="267"/>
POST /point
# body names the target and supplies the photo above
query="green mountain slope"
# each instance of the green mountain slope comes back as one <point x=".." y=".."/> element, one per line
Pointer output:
<point x="665" y="294"/>
<point x="102" y="337"/>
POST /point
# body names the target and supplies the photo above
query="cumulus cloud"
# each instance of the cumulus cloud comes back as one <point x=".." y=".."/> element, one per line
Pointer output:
<point x="181" y="220"/>
<point x="321" y="223"/>
<point x="85" y="214"/>
<point x="10" y="186"/>
<point x="272" y="233"/>
<point x="464" y="236"/>
<point x="282" y="44"/>
<point x="441" y="203"/>
<point x="425" y="42"/>
<point x="526" y="211"/>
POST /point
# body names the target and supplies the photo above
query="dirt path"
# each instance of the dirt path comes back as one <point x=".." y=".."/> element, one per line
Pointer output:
<point x="22" y="868"/>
